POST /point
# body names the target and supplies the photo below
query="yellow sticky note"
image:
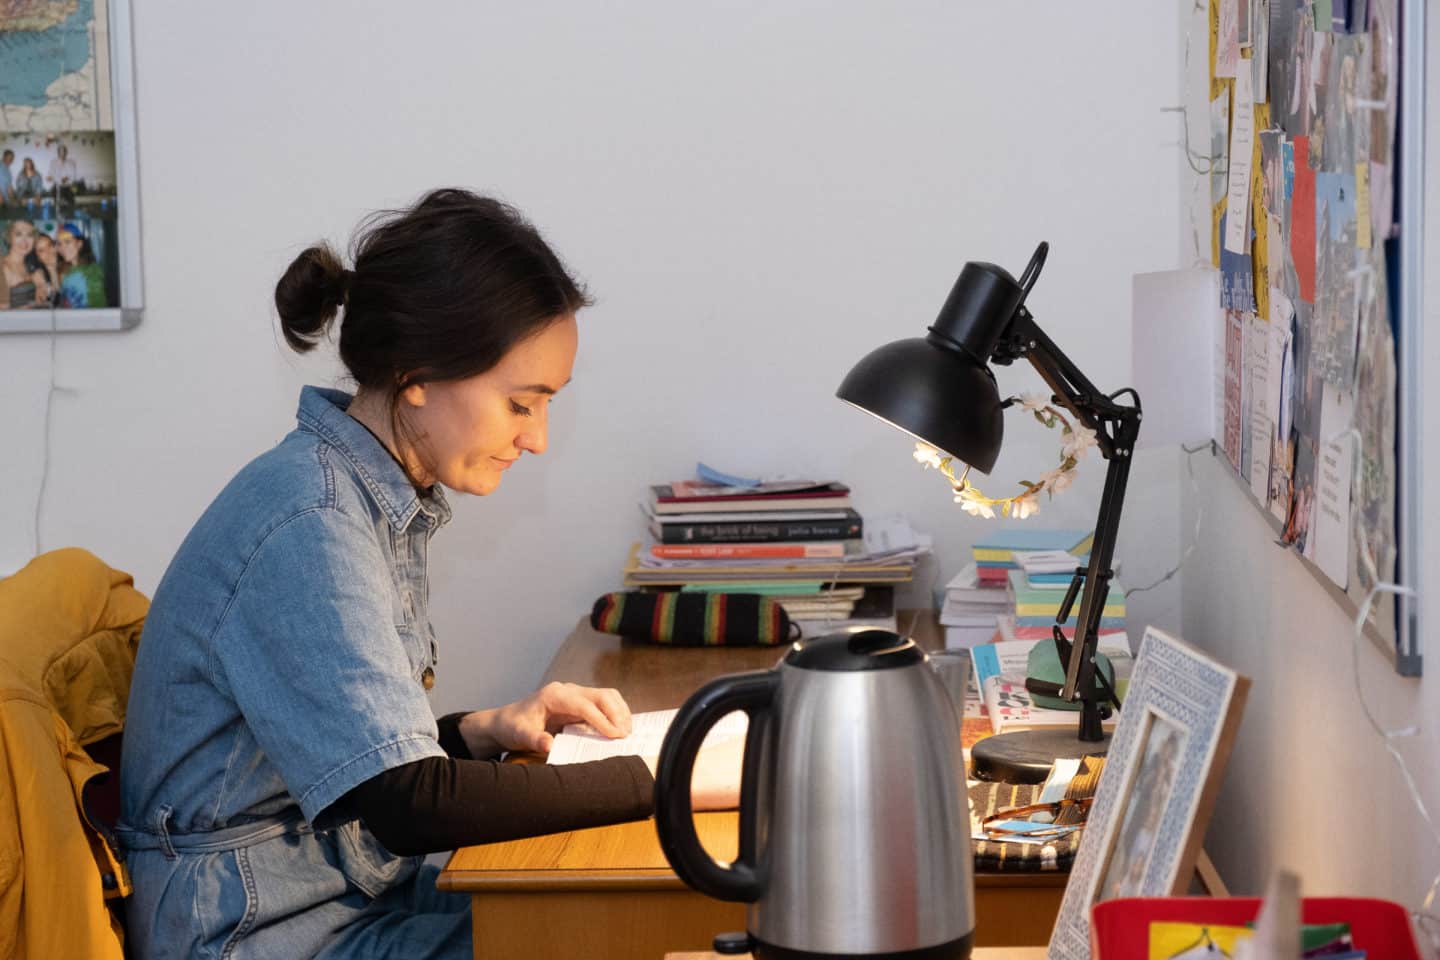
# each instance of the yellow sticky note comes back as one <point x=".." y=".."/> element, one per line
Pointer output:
<point x="1182" y="941"/>
<point x="1362" y="205"/>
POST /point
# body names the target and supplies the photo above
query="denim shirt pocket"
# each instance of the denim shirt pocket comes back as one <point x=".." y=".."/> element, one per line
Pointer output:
<point x="419" y="647"/>
<point x="367" y="864"/>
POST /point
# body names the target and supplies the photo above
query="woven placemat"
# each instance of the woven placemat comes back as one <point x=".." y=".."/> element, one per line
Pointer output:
<point x="1009" y="856"/>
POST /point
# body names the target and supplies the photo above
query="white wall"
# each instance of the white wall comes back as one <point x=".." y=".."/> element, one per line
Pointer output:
<point x="757" y="194"/>
<point x="1310" y="786"/>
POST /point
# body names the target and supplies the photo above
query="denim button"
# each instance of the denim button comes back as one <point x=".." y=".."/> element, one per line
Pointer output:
<point x="427" y="679"/>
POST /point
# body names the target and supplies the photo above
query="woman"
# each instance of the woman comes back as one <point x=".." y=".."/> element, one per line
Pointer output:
<point x="82" y="283"/>
<point x="282" y="765"/>
<point x="29" y="184"/>
<point x="24" y="285"/>
<point x="46" y="259"/>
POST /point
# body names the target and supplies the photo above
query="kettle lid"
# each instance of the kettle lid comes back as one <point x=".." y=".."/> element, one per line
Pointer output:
<point x="863" y="650"/>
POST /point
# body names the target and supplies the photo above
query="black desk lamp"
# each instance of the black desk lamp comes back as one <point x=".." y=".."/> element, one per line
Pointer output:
<point x="940" y="390"/>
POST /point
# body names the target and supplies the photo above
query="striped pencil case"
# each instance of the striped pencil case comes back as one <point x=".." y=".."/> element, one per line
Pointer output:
<point x="694" y="619"/>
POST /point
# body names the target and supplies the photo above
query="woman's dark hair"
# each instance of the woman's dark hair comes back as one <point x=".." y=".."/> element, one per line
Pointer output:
<point x="33" y="261"/>
<point x="438" y="292"/>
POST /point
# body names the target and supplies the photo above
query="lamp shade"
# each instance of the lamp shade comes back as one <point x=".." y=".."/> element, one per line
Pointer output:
<point x="936" y="393"/>
<point x="938" y="388"/>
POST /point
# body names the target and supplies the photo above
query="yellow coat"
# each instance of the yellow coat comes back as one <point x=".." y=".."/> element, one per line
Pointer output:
<point x="69" y="628"/>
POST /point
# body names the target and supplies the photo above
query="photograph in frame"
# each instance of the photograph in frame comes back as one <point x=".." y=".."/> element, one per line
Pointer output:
<point x="1162" y="775"/>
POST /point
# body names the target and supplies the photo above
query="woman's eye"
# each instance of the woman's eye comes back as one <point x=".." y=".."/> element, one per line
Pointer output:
<point x="519" y="409"/>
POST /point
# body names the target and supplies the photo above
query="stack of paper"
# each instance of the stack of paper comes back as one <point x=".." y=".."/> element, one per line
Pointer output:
<point x="972" y="611"/>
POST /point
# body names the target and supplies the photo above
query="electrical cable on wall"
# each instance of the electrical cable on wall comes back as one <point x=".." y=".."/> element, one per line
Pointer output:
<point x="51" y="390"/>
<point x="1199" y="517"/>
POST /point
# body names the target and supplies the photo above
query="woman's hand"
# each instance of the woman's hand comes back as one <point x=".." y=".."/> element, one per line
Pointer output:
<point x="530" y="724"/>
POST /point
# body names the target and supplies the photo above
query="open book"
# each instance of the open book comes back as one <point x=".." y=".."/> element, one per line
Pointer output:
<point x="580" y="743"/>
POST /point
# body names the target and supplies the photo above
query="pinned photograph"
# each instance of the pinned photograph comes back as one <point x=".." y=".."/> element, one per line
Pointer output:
<point x="58" y="221"/>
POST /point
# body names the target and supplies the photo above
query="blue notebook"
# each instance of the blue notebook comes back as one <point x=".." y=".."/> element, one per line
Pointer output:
<point x="1037" y="538"/>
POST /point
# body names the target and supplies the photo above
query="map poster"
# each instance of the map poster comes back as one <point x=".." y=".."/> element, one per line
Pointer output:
<point x="57" y="66"/>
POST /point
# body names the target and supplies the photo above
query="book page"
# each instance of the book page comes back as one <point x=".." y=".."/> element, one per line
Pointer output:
<point x="579" y="743"/>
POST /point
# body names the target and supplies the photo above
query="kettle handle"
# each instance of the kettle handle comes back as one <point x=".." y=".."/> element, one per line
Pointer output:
<point x="674" y="822"/>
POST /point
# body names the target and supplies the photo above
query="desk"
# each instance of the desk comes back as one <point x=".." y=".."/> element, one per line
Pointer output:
<point x="979" y="953"/>
<point x="607" y="893"/>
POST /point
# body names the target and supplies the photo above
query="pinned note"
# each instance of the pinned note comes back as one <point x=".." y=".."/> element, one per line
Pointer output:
<point x="1242" y="148"/>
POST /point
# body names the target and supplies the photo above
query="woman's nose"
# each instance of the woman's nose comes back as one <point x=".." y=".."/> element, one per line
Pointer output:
<point x="535" y="437"/>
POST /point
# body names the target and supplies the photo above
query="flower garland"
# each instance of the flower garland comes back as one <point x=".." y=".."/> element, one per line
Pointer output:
<point x="1076" y="439"/>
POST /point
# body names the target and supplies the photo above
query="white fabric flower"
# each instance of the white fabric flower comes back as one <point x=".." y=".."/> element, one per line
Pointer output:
<point x="1077" y="440"/>
<point x="975" y="508"/>
<point x="1033" y="402"/>
<point x="1024" y="507"/>
<point x="928" y="455"/>
<point x="1056" y="480"/>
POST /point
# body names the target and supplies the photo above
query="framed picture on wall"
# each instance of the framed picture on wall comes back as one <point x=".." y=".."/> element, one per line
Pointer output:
<point x="1162" y="775"/>
<point x="69" y="180"/>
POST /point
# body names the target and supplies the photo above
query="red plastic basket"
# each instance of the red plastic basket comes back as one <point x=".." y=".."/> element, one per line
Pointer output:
<point x="1120" y="929"/>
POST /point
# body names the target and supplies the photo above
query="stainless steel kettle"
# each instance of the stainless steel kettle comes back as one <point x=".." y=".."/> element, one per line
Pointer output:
<point x="854" y="821"/>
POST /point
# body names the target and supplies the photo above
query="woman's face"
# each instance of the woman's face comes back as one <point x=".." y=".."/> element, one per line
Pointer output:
<point x="465" y="433"/>
<point x="28" y="167"/>
<point x="69" y="245"/>
<point x="21" y="236"/>
<point x="45" y="249"/>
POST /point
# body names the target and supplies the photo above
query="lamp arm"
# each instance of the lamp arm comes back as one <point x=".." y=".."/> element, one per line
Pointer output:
<point x="1024" y="339"/>
<point x="1116" y="427"/>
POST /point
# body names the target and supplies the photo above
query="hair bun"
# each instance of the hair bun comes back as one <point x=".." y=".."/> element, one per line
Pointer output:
<point x="310" y="294"/>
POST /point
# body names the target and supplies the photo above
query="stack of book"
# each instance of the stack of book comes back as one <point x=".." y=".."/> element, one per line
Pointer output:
<point x="973" y="611"/>
<point x="800" y="541"/>
<point x="1036" y="606"/>
<point x="1002" y="551"/>
<point x="1034" y="600"/>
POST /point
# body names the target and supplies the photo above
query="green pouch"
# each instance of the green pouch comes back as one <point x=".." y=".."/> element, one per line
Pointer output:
<point x="1044" y="664"/>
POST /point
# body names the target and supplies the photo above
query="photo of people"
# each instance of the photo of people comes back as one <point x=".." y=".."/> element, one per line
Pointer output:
<point x="58" y="236"/>
<point x="1160" y="749"/>
<point x="1304" y="430"/>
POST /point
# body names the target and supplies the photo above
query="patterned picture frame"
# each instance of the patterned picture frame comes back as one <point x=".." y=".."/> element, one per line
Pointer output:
<point x="1166" y="761"/>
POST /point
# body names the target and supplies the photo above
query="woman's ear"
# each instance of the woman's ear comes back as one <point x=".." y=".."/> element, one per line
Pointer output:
<point x="414" y="394"/>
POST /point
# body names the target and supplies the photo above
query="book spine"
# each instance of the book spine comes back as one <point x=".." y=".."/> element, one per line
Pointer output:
<point x="1106" y="623"/>
<point x="738" y="505"/>
<point x="759" y="532"/>
<point x="747" y="551"/>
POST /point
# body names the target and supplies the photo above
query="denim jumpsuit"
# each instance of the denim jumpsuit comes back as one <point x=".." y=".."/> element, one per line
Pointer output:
<point x="285" y="661"/>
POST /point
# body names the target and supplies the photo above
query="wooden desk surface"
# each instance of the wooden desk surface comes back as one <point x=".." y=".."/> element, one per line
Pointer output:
<point x="624" y="856"/>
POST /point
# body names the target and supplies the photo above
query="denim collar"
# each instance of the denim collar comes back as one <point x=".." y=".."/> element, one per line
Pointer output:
<point x="322" y="411"/>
